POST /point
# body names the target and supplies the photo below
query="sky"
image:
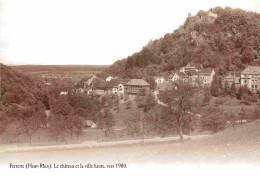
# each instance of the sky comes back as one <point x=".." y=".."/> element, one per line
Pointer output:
<point x="91" y="32"/>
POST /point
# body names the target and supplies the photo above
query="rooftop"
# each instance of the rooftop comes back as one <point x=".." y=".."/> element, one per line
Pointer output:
<point x="206" y="70"/>
<point x="116" y="82"/>
<point x="194" y="65"/>
<point x="181" y="74"/>
<point x="252" y="70"/>
<point x="137" y="82"/>
<point x="99" y="84"/>
<point x="233" y="75"/>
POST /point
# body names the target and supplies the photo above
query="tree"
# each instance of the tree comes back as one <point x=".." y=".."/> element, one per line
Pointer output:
<point x="74" y="125"/>
<point x="232" y="119"/>
<point x="33" y="119"/>
<point x="151" y="81"/>
<point x="57" y="127"/>
<point x="117" y="102"/>
<point x="180" y="106"/>
<point x="145" y="100"/>
<point x="61" y="106"/>
<point x="128" y="104"/>
<point x="243" y="114"/>
<point x="215" y="86"/>
<point x="256" y="113"/>
<point x="213" y="120"/>
<point x="207" y="97"/>
<point x="133" y="125"/>
<point x="106" y="122"/>
<point x="240" y="93"/>
<point x="226" y="90"/>
<point x="149" y="102"/>
<point x="233" y="90"/>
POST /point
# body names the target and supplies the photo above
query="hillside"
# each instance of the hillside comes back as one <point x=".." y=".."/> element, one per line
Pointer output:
<point x="20" y="89"/>
<point x="225" y="39"/>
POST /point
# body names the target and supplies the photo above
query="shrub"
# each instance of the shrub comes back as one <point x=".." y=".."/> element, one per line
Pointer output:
<point x="133" y="125"/>
<point x="128" y="104"/>
<point x="213" y="120"/>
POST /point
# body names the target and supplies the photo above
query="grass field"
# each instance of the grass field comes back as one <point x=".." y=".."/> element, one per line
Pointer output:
<point x="239" y="146"/>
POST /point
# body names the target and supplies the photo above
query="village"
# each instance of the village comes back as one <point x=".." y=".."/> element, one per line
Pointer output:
<point x="105" y="85"/>
<point x="192" y="73"/>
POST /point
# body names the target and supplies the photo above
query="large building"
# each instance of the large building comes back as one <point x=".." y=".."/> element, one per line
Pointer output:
<point x="193" y="75"/>
<point x="135" y="85"/>
<point x="191" y="66"/>
<point x="232" y="77"/>
<point x="116" y="86"/>
<point x="250" y="77"/>
<point x="206" y="75"/>
<point x="178" y="76"/>
<point x="99" y="88"/>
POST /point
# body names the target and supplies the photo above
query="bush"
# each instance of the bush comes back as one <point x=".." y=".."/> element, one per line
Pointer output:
<point x="256" y="114"/>
<point x="213" y="120"/>
<point x="128" y="104"/>
<point x="207" y="97"/>
<point x="133" y="125"/>
<point x="253" y="98"/>
<point x="220" y="101"/>
<point x="106" y="121"/>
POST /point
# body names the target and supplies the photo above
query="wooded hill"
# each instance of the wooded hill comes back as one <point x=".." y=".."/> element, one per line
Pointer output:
<point x="225" y="39"/>
<point x="17" y="88"/>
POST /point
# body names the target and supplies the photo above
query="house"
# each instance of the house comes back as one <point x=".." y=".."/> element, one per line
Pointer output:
<point x="89" y="124"/>
<point x="206" y="76"/>
<point x="250" y="77"/>
<point x="178" y="76"/>
<point x="99" y="88"/>
<point x="135" y="85"/>
<point x="191" y="66"/>
<point x="89" y="81"/>
<point x="159" y="80"/>
<point x="116" y="86"/>
<point x="88" y="90"/>
<point x="85" y="82"/>
<point x="182" y="69"/>
<point x="63" y="93"/>
<point x="232" y="77"/>
<point x="109" y="78"/>
<point x="193" y="76"/>
<point x="170" y="77"/>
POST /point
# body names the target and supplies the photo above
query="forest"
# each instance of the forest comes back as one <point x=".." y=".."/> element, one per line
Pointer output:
<point x="25" y="101"/>
<point x="223" y="38"/>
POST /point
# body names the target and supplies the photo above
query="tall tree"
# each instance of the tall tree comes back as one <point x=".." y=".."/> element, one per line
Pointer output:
<point x="226" y="90"/>
<point x="215" y="86"/>
<point x="233" y="90"/>
<point x="181" y="105"/>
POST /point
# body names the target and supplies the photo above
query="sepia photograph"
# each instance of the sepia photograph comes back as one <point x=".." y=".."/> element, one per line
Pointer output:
<point x="127" y="87"/>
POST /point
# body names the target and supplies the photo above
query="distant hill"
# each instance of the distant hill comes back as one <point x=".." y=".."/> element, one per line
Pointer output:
<point x="225" y="39"/>
<point x="18" y="88"/>
<point x="37" y="68"/>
